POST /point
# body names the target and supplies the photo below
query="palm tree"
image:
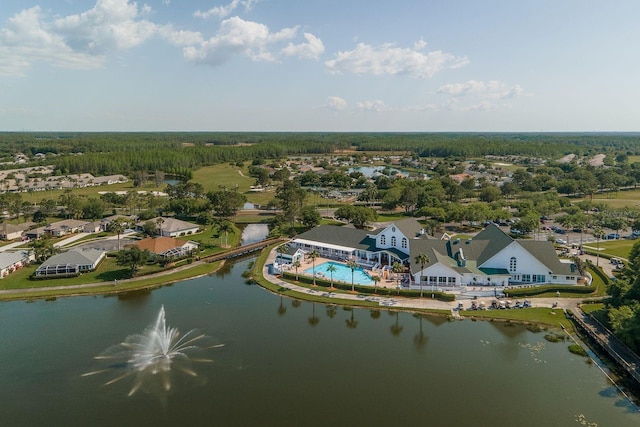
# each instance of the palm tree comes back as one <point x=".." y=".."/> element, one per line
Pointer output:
<point x="420" y="339"/>
<point x="331" y="311"/>
<point x="282" y="249"/>
<point x="397" y="268"/>
<point x="396" y="329"/>
<point x="159" y="222"/>
<point x="282" y="309"/>
<point x="313" y="255"/>
<point x="422" y="259"/>
<point x="352" y="264"/>
<point x="597" y="232"/>
<point x="331" y="268"/>
<point x="351" y="322"/>
<point x="313" y="320"/>
<point x="225" y="227"/>
<point x="375" y="279"/>
<point x="296" y="265"/>
<point x="117" y="226"/>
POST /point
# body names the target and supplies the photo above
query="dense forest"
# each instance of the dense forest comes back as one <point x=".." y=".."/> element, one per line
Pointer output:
<point x="171" y="152"/>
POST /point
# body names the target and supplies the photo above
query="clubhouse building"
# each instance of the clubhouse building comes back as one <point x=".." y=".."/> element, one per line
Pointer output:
<point x="492" y="258"/>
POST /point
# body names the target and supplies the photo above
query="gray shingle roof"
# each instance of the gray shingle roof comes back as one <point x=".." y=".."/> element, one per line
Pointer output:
<point x="410" y="227"/>
<point x="75" y="257"/>
<point x="337" y="235"/>
<point x="7" y="259"/>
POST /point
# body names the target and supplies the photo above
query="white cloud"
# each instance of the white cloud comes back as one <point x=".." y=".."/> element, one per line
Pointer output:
<point x="252" y="39"/>
<point x="221" y="12"/>
<point x="181" y="37"/>
<point x="336" y="103"/>
<point x="74" y="41"/>
<point x="26" y="38"/>
<point x="110" y="24"/>
<point x="312" y="49"/>
<point x="491" y="90"/>
<point x="387" y="59"/>
<point x="375" y="106"/>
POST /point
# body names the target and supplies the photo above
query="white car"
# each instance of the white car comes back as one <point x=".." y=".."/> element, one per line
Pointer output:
<point x="561" y="241"/>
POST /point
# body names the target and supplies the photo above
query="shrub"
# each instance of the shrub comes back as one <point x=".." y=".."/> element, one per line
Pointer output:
<point x="576" y="349"/>
<point x="567" y="289"/>
<point x="410" y="293"/>
<point x="554" y="337"/>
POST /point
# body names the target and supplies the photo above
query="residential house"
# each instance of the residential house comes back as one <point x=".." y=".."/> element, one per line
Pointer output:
<point x="167" y="247"/>
<point x="14" y="231"/>
<point x="67" y="226"/>
<point x="171" y="227"/>
<point x="71" y="263"/>
<point x="11" y="261"/>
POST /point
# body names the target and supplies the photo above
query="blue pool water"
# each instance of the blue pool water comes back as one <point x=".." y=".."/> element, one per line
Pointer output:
<point x="342" y="273"/>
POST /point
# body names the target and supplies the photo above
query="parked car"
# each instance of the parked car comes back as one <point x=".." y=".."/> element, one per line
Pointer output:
<point x="561" y="241"/>
<point x="612" y="236"/>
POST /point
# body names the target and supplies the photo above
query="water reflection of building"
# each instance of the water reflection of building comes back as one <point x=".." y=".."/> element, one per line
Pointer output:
<point x="492" y="258"/>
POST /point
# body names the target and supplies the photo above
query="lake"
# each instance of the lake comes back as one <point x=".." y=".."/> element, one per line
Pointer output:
<point x="291" y="363"/>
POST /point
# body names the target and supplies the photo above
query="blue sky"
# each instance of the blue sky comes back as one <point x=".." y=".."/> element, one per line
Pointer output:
<point x="324" y="65"/>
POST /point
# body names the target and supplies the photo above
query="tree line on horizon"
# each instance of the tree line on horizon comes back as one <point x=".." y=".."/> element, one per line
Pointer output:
<point x="169" y="151"/>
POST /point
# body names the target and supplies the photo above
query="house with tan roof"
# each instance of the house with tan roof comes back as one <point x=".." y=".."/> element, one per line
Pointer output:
<point x="167" y="247"/>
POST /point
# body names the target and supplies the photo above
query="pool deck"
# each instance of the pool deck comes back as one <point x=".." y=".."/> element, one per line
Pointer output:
<point x="402" y="303"/>
<point x="306" y="264"/>
<point x="383" y="301"/>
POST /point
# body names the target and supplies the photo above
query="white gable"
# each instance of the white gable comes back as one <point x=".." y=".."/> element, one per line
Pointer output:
<point x="525" y="262"/>
<point x="392" y="237"/>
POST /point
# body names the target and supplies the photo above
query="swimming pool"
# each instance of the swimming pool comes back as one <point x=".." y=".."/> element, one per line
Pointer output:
<point x="342" y="273"/>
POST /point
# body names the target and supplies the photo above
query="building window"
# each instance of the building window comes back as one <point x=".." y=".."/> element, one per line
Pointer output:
<point x="404" y="243"/>
<point x="442" y="280"/>
<point x="393" y="241"/>
<point x="513" y="263"/>
<point x="526" y="278"/>
<point x="383" y="240"/>
<point x="452" y="281"/>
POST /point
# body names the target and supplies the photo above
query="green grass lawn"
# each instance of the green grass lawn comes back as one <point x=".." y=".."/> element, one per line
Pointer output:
<point x="211" y="177"/>
<point x="617" y="248"/>
<point x="620" y="199"/>
<point x="545" y="316"/>
<point x="107" y="271"/>
<point x="598" y="311"/>
<point x="110" y="288"/>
